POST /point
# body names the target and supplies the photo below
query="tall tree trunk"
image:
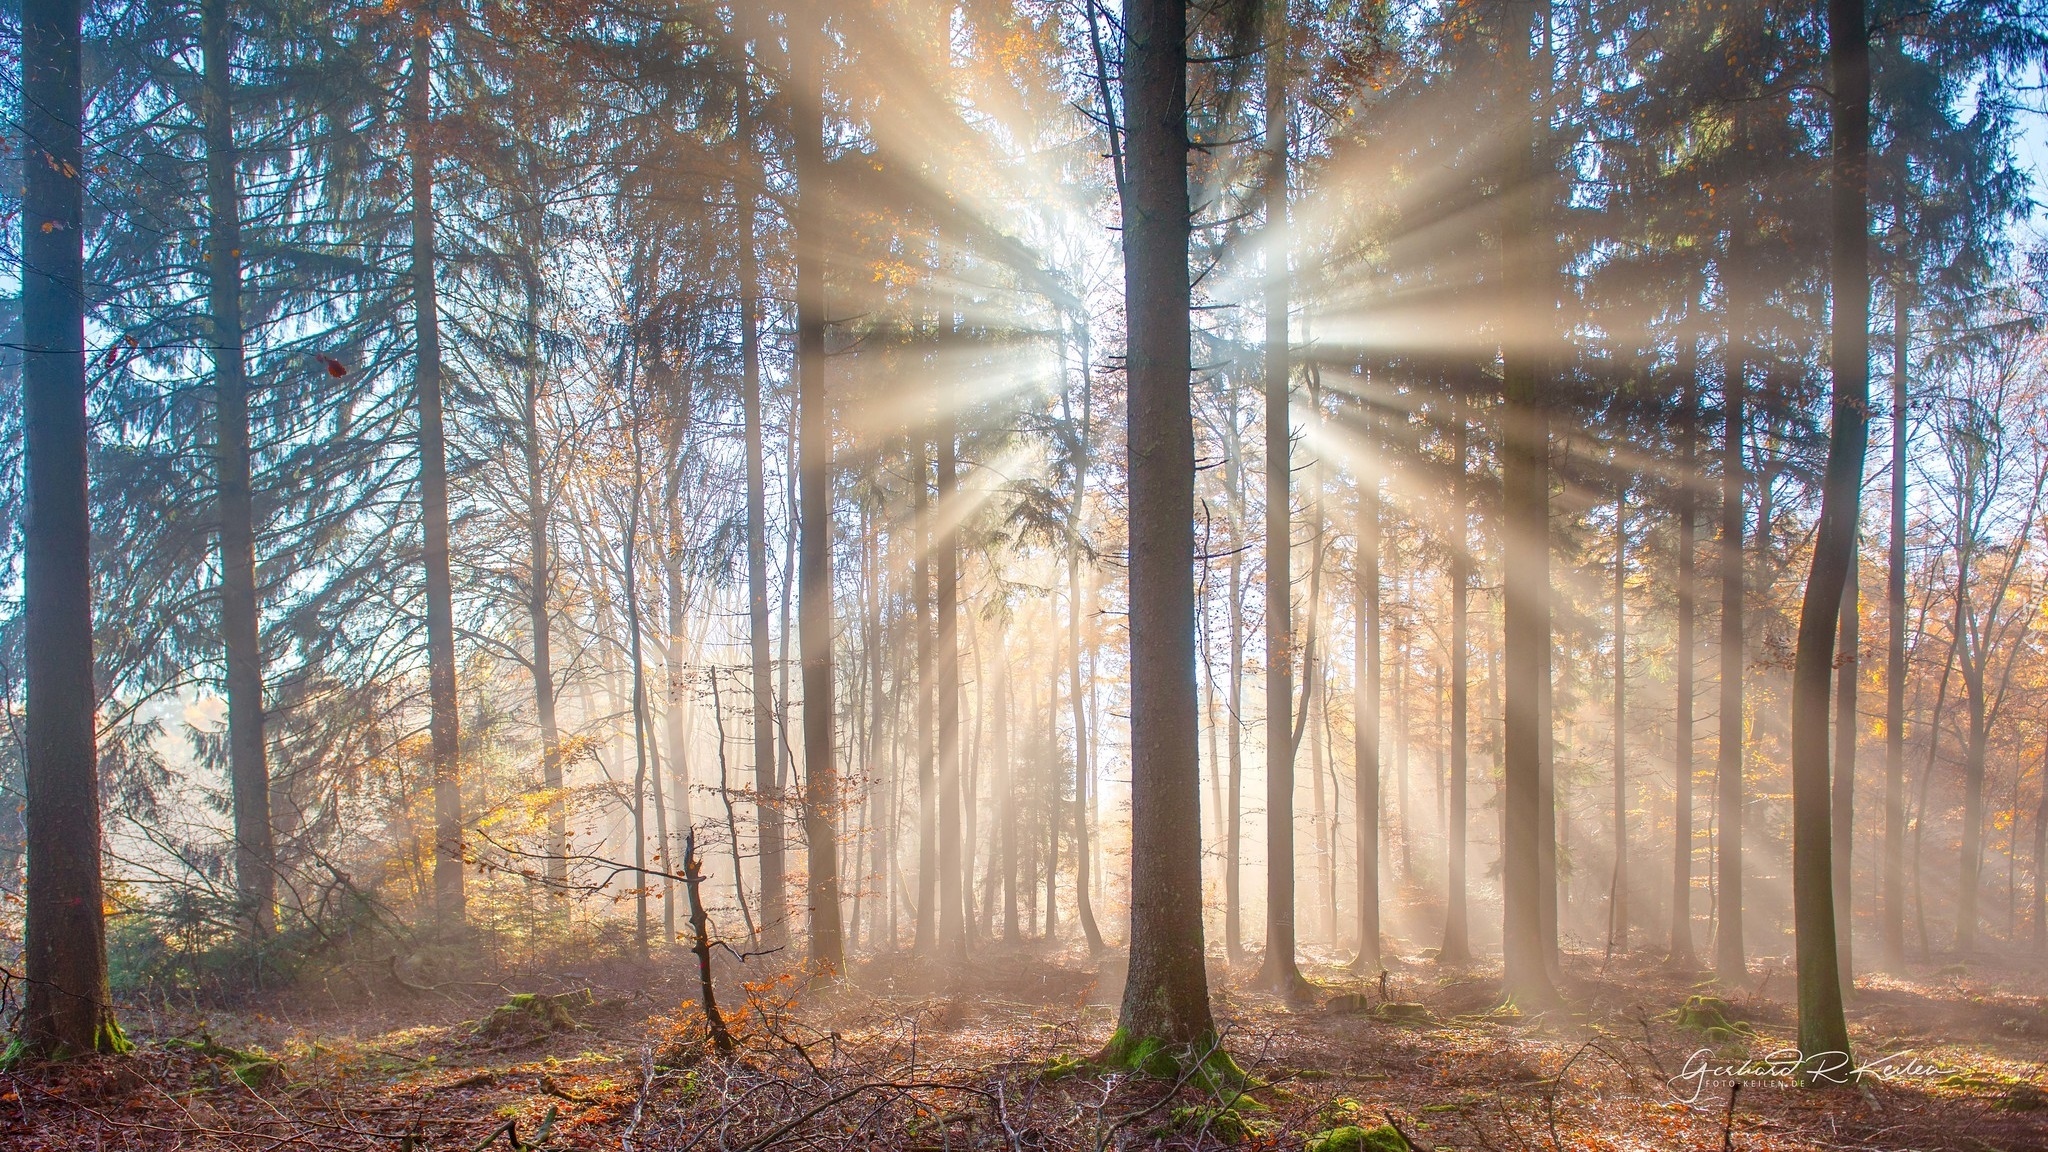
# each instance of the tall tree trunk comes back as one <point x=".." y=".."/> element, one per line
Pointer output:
<point x="1617" y="900"/>
<point x="1728" y="949"/>
<point x="1166" y="991"/>
<point x="925" y="933"/>
<point x="1682" y="956"/>
<point x="1365" y="681"/>
<point x="1893" y="906"/>
<point x="1969" y="870"/>
<point x="814" y="471"/>
<point x="66" y="1008"/>
<point x="1006" y="811"/>
<point x="1525" y="533"/>
<point x="1233" y="827"/>
<point x="1821" y="1025"/>
<point x="630" y="554"/>
<point x="539" y="582"/>
<point x="1457" y="949"/>
<point x="767" y="800"/>
<point x="1842" y="804"/>
<point x="443" y="742"/>
<point x="1279" y="972"/>
<point x="248" y="769"/>
<point x="952" y="894"/>
<point x="2040" y="900"/>
<point x="1083" y="765"/>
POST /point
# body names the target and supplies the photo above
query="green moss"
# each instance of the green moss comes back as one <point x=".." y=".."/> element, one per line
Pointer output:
<point x="532" y="1013"/>
<point x="1712" y="1017"/>
<point x="253" y="1069"/>
<point x="1151" y="1056"/>
<point x="1062" y="1066"/>
<point x="1352" y="1138"/>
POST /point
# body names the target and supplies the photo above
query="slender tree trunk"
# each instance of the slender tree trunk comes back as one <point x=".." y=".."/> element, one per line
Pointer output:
<point x="1166" y="991"/>
<point x="1233" y="829"/>
<point x="1457" y="949"/>
<point x="248" y="769"/>
<point x="1617" y="900"/>
<point x="814" y="470"/>
<point x="443" y="741"/>
<point x="1279" y="972"/>
<point x="1969" y="870"/>
<point x="630" y="553"/>
<point x="952" y="893"/>
<point x="2040" y="900"/>
<point x="539" y="583"/>
<point x="66" y="1008"/>
<point x="1083" y="765"/>
<point x="1682" y="956"/>
<point x="767" y="799"/>
<point x="925" y="932"/>
<point x="1006" y="812"/>
<point x="1728" y="949"/>
<point x="1821" y="1025"/>
<point x="1894" y="903"/>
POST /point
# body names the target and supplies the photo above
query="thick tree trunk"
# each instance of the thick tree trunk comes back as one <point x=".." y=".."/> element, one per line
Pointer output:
<point x="1821" y="1025"/>
<point x="248" y="768"/>
<point x="1682" y="955"/>
<point x="1166" y="991"/>
<point x="1457" y="949"/>
<point x="1278" y="973"/>
<point x="1893" y="906"/>
<point x="66" y="1009"/>
<point x="444" y="749"/>
<point x="1525" y="534"/>
<point x="1365" y="681"/>
<point x="814" y="471"/>
<point x="1842" y="804"/>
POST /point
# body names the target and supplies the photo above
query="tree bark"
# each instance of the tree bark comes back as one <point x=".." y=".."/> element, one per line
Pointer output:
<point x="1083" y="764"/>
<point x="952" y="894"/>
<point x="1821" y="1025"/>
<point x="1893" y="906"/>
<point x="444" y="747"/>
<point x="1682" y="955"/>
<point x="1365" y="680"/>
<point x="66" y="1009"/>
<point x="255" y="859"/>
<point x="814" y="468"/>
<point x="1728" y="950"/>
<point x="1457" y="949"/>
<point x="1166" y="991"/>
<point x="1233" y="827"/>
<point x="1525" y="533"/>
<point x="767" y="801"/>
<point x="1279" y="972"/>
<point x="1843" y="799"/>
<point x="1617" y="901"/>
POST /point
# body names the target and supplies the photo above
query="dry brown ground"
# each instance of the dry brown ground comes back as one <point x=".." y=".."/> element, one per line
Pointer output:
<point x="908" y="1056"/>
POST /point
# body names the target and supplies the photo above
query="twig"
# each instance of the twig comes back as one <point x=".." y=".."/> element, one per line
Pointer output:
<point x="640" y="1101"/>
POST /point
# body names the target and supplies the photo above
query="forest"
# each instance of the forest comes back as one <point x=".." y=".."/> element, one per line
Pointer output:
<point x="1310" y="575"/>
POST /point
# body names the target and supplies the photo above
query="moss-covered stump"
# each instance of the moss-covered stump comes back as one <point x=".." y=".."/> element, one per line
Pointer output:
<point x="532" y="1014"/>
<point x="1711" y="1017"/>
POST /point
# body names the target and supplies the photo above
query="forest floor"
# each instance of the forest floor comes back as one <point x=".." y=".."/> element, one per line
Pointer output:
<point x="995" y="1055"/>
